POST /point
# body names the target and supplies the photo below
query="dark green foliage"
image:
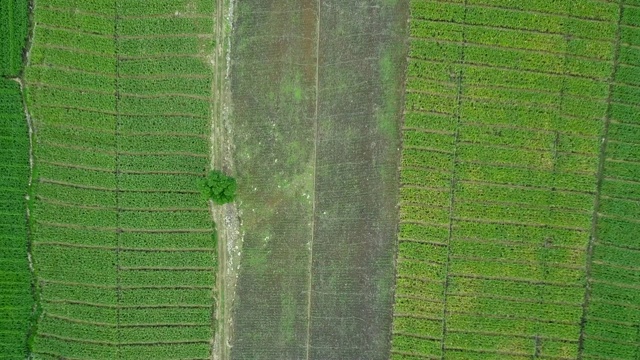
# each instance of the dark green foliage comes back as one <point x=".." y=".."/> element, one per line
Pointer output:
<point x="15" y="277"/>
<point x="13" y="27"/>
<point x="218" y="187"/>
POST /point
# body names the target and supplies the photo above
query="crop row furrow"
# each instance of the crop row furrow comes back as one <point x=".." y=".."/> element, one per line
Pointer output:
<point x="534" y="9"/>
<point x="480" y="65"/>
<point x="501" y="47"/>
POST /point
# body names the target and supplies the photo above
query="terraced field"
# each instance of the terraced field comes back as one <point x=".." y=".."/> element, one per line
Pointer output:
<point x="510" y="179"/>
<point x="517" y="182"/>
<point x="123" y="245"/>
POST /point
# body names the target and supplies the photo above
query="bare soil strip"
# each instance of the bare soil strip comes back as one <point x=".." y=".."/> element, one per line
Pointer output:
<point x="316" y="126"/>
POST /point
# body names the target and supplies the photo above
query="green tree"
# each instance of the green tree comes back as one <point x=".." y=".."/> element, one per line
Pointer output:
<point x="218" y="187"/>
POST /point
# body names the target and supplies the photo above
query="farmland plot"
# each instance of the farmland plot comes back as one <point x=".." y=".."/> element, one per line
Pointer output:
<point x="506" y="106"/>
<point x="13" y="27"/>
<point x="612" y="313"/>
<point x="315" y="122"/>
<point x="123" y="245"/>
<point x="16" y="297"/>
<point x="15" y="278"/>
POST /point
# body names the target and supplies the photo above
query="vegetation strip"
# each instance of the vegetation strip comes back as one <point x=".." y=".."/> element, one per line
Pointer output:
<point x="108" y="213"/>
<point x="16" y="285"/>
<point x="525" y="179"/>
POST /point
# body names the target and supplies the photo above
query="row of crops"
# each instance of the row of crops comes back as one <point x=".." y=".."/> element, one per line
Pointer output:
<point x="506" y="107"/>
<point x="15" y="278"/>
<point x="123" y="244"/>
<point x="16" y="298"/>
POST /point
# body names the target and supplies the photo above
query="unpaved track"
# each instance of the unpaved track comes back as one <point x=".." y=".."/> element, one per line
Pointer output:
<point x="225" y="217"/>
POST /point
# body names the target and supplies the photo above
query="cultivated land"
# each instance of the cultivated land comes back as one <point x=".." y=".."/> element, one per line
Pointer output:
<point x="519" y="194"/>
<point x="123" y="246"/>
<point x="15" y="278"/>
<point x="315" y="122"/>
<point x="16" y="297"/>
<point x="518" y="170"/>
<point x="13" y="27"/>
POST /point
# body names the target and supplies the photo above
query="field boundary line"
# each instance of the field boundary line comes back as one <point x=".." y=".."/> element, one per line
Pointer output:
<point x="162" y="55"/>
<point x="412" y="354"/>
<point x="116" y="135"/>
<point x="515" y="279"/>
<point x="513" y="299"/>
<point x="506" y="48"/>
<point x="526" y="149"/>
<point x="529" y="206"/>
<point x="106" y="16"/>
<point x="615" y="322"/>
<point x="76" y="50"/>
<point x="529" y="11"/>
<point x="530" y="129"/>
<point x="507" y="242"/>
<point x="419" y="298"/>
<point x="131" y="249"/>
<point x="70" y="88"/>
<point x="523" y="187"/>
<point x="504" y="261"/>
<point x="503" y="222"/>
<point x="505" y="68"/>
<point x="619" y="286"/>
<point x="106" y="112"/>
<point x="59" y="67"/>
<point x="417" y="336"/>
<point x="593" y="238"/>
<point x="498" y="352"/>
<point x="417" y="316"/>
<point x="453" y="184"/>
<point x="120" y="344"/>
<point x="165" y="16"/>
<point x="139" y="306"/>
<point x="505" y="28"/>
<point x="57" y="355"/>
<point x="424" y="242"/>
<point x="617" y="246"/>
<point x="617" y="266"/>
<point x="168" y="36"/>
<point x="78" y="321"/>
<point x="167" y="268"/>
<point x="128" y="287"/>
<point x="315" y="165"/>
<point x="165" y="95"/>
<point x="522" y="336"/>
<point x="514" y="165"/>
<point x="74" y="31"/>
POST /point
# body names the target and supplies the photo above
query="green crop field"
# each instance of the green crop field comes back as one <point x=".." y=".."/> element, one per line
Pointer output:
<point x="13" y="27"/>
<point x="417" y="179"/>
<point x="16" y="296"/>
<point x="123" y="245"/>
<point x="516" y="212"/>
<point x="15" y="278"/>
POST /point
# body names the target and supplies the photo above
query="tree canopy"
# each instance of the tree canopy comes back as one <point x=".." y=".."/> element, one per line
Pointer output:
<point x="218" y="187"/>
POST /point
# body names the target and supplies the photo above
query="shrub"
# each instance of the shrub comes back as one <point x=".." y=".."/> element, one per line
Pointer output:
<point x="218" y="187"/>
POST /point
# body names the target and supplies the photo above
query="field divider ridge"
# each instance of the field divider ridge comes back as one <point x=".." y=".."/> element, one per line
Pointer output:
<point x="117" y="131"/>
<point x="593" y="238"/>
<point x="454" y="162"/>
